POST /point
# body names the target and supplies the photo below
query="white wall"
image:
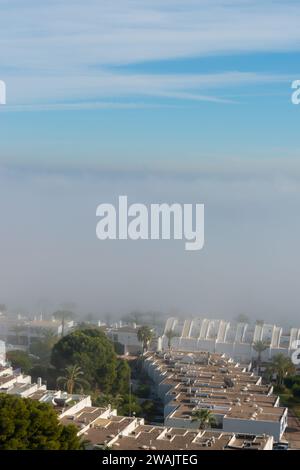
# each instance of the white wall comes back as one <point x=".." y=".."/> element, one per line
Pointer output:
<point x="272" y="428"/>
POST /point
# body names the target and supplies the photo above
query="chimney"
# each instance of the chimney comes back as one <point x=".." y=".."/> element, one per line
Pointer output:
<point x="39" y="381"/>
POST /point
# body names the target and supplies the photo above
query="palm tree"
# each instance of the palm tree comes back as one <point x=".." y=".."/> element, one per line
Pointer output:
<point x="204" y="417"/>
<point x="72" y="379"/>
<point x="281" y="366"/>
<point x="145" y="335"/>
<point x="63" y="316"/>
<point x="170" y="334"/>
<point x="259" y="347"/>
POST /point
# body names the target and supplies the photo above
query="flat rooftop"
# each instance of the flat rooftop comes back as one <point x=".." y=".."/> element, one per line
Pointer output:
<point x="104" y="430"/>
<point x="162" y="438"/>
<point x="84" y="417"/>
<point x="203" y="380"/>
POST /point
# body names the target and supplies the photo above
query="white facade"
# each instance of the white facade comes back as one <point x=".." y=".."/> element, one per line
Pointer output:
<point x="127" y="337"/>
<point x="2" y="353"/>
<point x="19" y="334"/>
<point x="272" y="428"/>
<point x="234" y="339"/>
<point x="270" y="421"/>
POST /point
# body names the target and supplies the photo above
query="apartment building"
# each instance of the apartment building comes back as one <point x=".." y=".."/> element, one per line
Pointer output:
<point x="13" y="382"/>
<point x="126" y="336"/>
<point x="102" y="428"/>
<point x="240" y="403"/>
<point x="231" y="338"/>
<point x="123" y="433"/>
<point x="2" y="353"/>
<point x="19" y="334"/>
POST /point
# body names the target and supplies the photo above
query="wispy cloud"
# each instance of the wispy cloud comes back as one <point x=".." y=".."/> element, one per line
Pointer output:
<point x="55" y="89"/>
<point x="79" y="106"/>
<point x="56" y="33"/>
<point x="53" y="51"/>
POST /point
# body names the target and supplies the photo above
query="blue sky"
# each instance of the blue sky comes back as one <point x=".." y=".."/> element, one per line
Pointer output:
<point x="147" y="79"/>
<point x="163" y="100"/>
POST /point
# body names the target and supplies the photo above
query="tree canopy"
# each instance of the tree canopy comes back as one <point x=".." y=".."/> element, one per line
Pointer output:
<point x="20" y="359"/>
<point x="121" y="385"/>
<point x="204" y="417"/>
<point x="170" y="334"/>
<point x="92" y="351"/>
<point x="30" y="425"/>
<point x="281" y="366"/>
<point x="42" y="347"/>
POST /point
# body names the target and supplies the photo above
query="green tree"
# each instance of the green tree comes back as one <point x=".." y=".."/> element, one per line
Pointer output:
<point x="281" y="366"/>
<point x="143" y="391"/>
<point x="170" y="334"/>
<point x="42" y="347"/>
<point x="119" y="348"/>
<point x="145" y="335"/>
<point x="130" y="406"/>
<point x="259" y="347"/>
<point x="20" y="359"/>
<point x="204" y="417"/>
<point x="63" y="316"/>
<point x="105" y="399"/>
<point x="292" y="380"/>
<point x="49" y="336"/>
<point x="296" y="391"/>
<point x="84" y="326"/>
<point x="30" y="425"/>
<point x="49" y="375"/>
<point x="126" y="405"/>
<point x="149" y="409"/>
<point x="121" y="384"/>
<point x="91" y="350"/>
<point x="72" y="379"/>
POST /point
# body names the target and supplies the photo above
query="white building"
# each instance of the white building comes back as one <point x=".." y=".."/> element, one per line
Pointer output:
<point x="2" y="353"/>
<point x="239" y="402"/>
<point x="13" y="382"/>
<point x="19" y="334"/>
<point x="127" y="337"/>
<point x="234" y="339"/>
<point x="101" y="427"/>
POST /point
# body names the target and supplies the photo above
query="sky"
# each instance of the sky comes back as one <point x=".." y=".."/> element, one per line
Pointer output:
<point x="165" y="101"/>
